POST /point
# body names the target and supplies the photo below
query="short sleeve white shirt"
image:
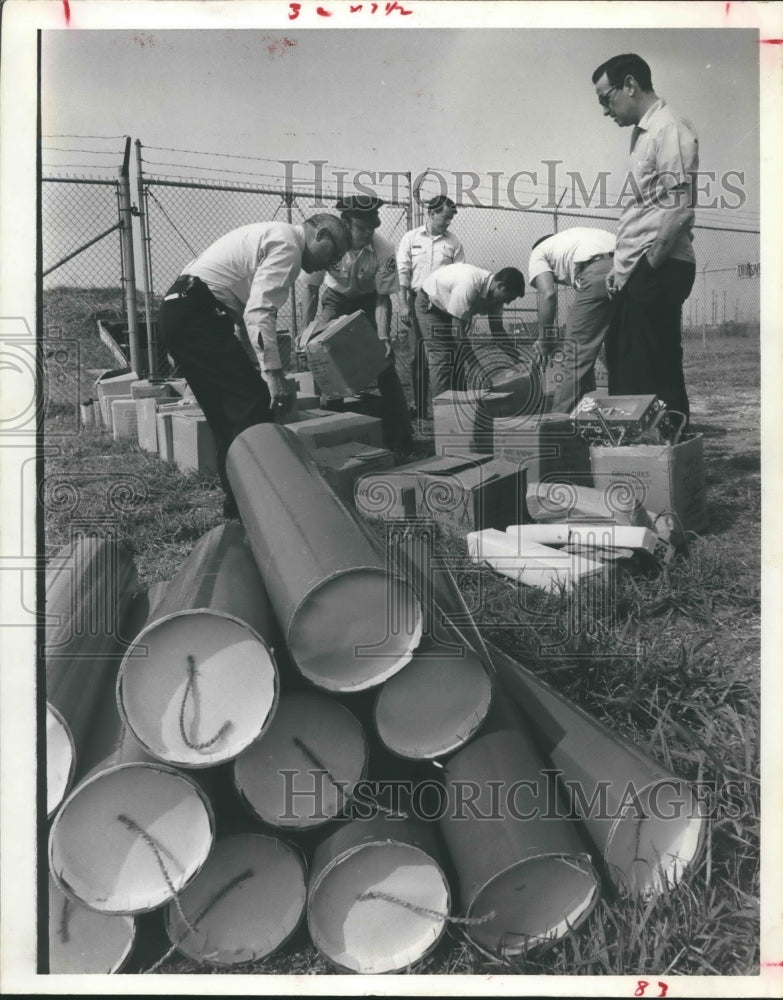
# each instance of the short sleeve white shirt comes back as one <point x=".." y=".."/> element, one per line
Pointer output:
<point x="561" y="253"/>
<point x="459" y="289"/>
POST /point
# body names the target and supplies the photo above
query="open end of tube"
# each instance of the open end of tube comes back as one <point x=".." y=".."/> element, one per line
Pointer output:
<point x="251" y="893"/>
<point x="305" y="765"/>
<point x="376" y="935"/>
<point x="204" y="692"/>
<point x="60" y="759"/>
<point x="355" y="630"/>
<point x="434" y="704"/>
<point x="534" y="902"/>
<point x="104" y="861"/>
<point x="651" y="846"/>
<point x="83" y="941"/>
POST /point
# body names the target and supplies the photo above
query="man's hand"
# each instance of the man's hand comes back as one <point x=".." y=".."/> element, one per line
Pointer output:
<point x="278" y="391"/>
<point x="611" y="286"/>
<point x="387" y="346"/>
<point x="404" y="313"/>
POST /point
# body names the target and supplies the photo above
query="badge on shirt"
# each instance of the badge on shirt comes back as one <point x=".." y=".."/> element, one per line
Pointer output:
<point x="391" y="265"/>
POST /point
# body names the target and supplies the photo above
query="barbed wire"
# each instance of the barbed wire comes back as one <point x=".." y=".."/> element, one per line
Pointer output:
<point x="70" y="135"/>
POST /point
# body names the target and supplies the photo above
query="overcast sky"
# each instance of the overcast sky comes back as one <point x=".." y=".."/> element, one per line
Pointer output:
<point x="457" y="99"/>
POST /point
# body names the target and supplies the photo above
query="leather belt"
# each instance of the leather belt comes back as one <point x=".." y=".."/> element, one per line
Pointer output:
<point x="590" y="260"/>
<point x="185" y="285"/>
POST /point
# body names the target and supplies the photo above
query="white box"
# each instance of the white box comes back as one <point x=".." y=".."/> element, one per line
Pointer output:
<point x="530" y="563"/>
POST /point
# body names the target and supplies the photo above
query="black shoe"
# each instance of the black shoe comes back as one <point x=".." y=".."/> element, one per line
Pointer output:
<point x="230" y="509"/>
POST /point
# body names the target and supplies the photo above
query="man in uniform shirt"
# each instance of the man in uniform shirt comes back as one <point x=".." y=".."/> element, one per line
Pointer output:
<point x="654" y="263"/>
<point x="422" y="251"/>
<point x="365" y="278"/>
<point x="445" y="306"/>
<point x="582" y="258"/>
<point x="243" y="277"/>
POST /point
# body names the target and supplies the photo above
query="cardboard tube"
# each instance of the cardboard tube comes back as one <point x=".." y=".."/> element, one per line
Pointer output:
<point x="644" y="820"/>
<point x="377" y="899"/>
<point x="133" y="831"/>
<point x="245" y="903"/>
<point x="434" y="704"/>
<point x="512" y="858"/>
<point x="301" y="772"/>
<point x="85" y="941"/>
<point x="89" y="587"/>
<point x="200" y="683"/>
<point x="349" y="623"/>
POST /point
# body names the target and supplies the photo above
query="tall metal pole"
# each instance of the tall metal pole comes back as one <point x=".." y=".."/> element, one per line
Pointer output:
<point x="129" y="275"/>
<point x="289" y="201"/>
<point x="409" y="206"/>
<point x="152" y="346"/>
<point x="704" y="307"/>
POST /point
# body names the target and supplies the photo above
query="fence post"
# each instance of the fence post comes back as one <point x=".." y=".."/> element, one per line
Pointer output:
<point x="129" y="276"/>
<point x="152" y="346"/>
<point x="409" y="206"/>
<point x="289" y="201"/>
<point x="704" y="307"/>
<point x="554" y="229"/>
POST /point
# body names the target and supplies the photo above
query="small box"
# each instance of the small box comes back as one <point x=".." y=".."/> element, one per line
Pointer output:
<point x="386" y="495"/>
<point x="471" y="497"/>
<point x="634" y="413"/>
<point x="87" y="411"/>
<point x="325" y="431"/>
<point x="306" y="401"/>
<point x="193" y="443"/>
<point x="143" y="389"/>
<point x="305" y="384"/>
<point x="163" y="424"/>
<point x="123" y="417"/>
<point x="545" y="445"/>
<point x="531" y="563"/>
<point x="342" y="464"/>
<point x="464" y="420"/>
<point x="346" y="356"/>
<point x="147" y="410"/>
<point x="107" y="411"/>
<point x="671" y="478"/>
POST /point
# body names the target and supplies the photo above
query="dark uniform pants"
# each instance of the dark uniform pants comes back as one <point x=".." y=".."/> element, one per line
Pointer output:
<point x="199" y="335"/>
<point x="644" y="343"/>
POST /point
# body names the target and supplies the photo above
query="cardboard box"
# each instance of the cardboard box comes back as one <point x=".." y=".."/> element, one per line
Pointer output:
<point x="619" y="503"/>
<point x="143" y="388"/>
<point x="324" y="430"/>
<point x="346" y="355"/>
<point x="193" y="443"/>
<point x="386" y="495"/>
<point x="123" y="417"/>
<point x="107" y="412"/>
<point x="473" y="496"/>
<point x="545" y="445"/>
<point x="635" y="413"/>
<point x="163" y="423"/>
<point x="306" y="384"/>
<point x="343" y="464"/>
<point x="463" y="421"/>
<point x="671" y="478"/>
<point x="397" y="493"/>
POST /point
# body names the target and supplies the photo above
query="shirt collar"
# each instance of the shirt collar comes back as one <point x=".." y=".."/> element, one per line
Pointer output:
<point x="644" y="122"/>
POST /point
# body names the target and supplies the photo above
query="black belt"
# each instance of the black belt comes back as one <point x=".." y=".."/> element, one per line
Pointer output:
<point x="189" y="284"/>
<point x="590" y="260"/>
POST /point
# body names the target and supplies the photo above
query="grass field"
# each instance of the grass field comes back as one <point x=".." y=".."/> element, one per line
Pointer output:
<point x="689" y="696"/>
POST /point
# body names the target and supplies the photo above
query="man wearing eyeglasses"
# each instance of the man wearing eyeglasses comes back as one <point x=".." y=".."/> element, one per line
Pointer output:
<point x="365" y="278"/>
<point x="242" y="279"/>
<point x="654" y="263"/>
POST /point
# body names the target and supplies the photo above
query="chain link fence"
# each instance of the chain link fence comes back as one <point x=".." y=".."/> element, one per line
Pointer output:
<point x="180" y="217"/>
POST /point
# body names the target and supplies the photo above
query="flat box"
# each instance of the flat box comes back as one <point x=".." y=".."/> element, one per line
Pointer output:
<point x="163" y="423"/>
<point x="531" y="563"/>
<point x="545" y="445"/>
<point x="634" y="412"/>
<point x="618" y="503"/>
<point x="123" y="417"/>
<point x="369" y="403"/>
<point x="343" y="464"/>
<point x="193" y="443"/>
<point x="306" y="401"/>
<point x="305" y="384"/>
<point x="143" y="388"/>
<point x="464" y="420"/>
<point x="670" y="477"/>
<point x="337" y="428"/>
<point x="346" y="356"/>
